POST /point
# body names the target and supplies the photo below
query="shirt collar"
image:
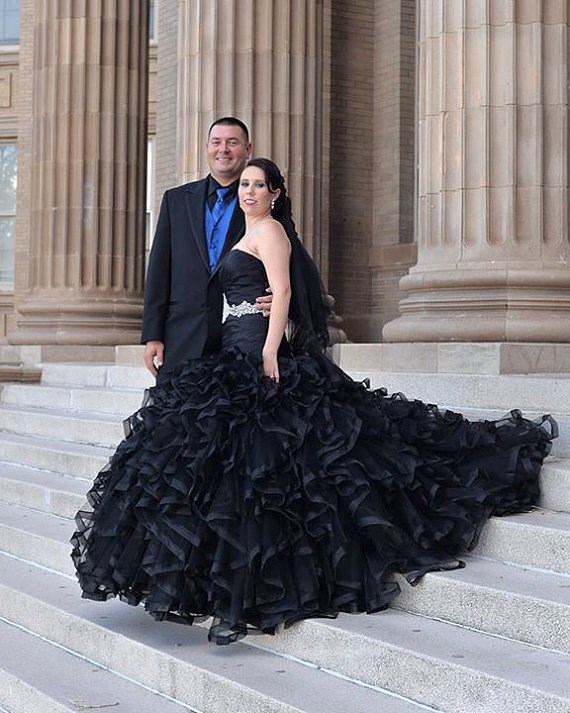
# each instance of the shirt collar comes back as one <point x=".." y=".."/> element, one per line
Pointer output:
<point x="213" y="186"/>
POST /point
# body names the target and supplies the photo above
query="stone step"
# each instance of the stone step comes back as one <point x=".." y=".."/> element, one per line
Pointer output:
<point x="50" y="493"/>
<point x="489" y="596"/>
<point x="544" y="393"/>
<point x="119" y="389"/>
<point x="539" y="539"/>
<point x="77" y="456"/>
<point x="560" y="445"/>
<point x="129" y="354"/>
<point x="555" y="484"/>
<point x="121" y="402"/>
<point x="115" y="390"/>
<point x="455" y="357"/>
<point x="508" y="601"/>
<point x="16" y="696"/>
<point x="98" y="375"/>
<point x="36" y="677"/>
<point x="438" y="663"/>
<point x="84" y="462"/>
<point x="81" y="427"/>
<point x="536" y="393"/>
<point x="540" y="393"/>
<point x="444" y="667"/>
<point x="76" y="374"/>
<point x="511" y="596"/>
<point x="486" y="397"/>
<point x="77" y="460"/>
<point x="36" y="537"/>
<point x="176" y="661"/>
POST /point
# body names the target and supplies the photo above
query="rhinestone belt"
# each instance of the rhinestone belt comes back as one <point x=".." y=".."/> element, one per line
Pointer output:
<point x="238" y="310"/>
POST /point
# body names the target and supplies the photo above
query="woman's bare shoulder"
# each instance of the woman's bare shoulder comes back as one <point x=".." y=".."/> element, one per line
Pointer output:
<point x="272" y="231"/>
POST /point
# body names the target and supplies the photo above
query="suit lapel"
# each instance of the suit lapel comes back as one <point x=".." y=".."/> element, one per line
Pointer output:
<point x="195" y="202"/>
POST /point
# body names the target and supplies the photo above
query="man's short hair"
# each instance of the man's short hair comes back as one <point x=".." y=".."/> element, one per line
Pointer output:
<point x="231" y="121"/>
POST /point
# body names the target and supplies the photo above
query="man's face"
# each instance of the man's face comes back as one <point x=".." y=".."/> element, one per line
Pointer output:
<point x="227" y="152"/>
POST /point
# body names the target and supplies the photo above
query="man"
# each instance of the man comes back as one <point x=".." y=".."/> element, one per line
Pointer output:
<point x="197" y="225"/>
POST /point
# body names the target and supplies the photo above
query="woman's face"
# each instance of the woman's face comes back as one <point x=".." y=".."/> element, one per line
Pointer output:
<point x="253" y="192"/>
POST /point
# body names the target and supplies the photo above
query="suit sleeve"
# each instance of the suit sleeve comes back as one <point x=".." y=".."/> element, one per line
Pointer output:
<point x="158" y="278"/>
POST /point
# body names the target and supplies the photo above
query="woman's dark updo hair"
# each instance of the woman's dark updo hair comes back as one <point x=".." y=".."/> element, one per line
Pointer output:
<point x="309" y="307"/>
<point x="275" y="181"/>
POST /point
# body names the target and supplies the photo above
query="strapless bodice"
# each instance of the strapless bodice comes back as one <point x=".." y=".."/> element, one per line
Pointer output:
<point x="243" y="279"/>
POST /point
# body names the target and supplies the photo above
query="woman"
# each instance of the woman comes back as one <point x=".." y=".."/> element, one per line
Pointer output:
<point x="263" y="486"/>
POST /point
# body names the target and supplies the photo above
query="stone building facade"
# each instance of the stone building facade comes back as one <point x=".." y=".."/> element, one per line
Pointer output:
<point x="425" y="145"/>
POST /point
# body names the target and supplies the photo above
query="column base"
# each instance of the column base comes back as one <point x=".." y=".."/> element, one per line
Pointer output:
<point x="495" y="305"/>
<point x="97" y="321"/>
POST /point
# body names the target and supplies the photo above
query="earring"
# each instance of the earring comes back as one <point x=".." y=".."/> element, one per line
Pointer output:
<point x="273" y="204"/>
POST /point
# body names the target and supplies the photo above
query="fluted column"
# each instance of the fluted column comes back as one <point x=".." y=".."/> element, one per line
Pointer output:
<point x="259" y="61"/>
<point x="81" y="261"/>
<point x="493" y="186"/>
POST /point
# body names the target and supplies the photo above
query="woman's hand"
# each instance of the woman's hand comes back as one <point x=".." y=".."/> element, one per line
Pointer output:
<point x="270" y="365"/>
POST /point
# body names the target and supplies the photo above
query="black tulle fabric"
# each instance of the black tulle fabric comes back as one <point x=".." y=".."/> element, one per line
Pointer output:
<point x="309" y="309"/>
<point x="260" y="504"/>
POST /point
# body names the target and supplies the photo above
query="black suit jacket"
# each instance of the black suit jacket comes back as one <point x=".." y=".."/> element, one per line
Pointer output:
<point x="183" y="299"/>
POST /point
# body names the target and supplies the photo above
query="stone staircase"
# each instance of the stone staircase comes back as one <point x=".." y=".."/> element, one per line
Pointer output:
<point x="492" y="638"/>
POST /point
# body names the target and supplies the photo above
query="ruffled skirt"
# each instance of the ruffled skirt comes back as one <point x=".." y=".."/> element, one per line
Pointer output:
<point x="261" y="504"/>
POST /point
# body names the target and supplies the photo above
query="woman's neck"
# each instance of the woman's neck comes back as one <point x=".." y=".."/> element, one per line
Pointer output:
<point x="252" y="223"/>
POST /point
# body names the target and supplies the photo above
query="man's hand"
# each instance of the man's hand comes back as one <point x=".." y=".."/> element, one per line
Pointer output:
<point x="153" y="356"/>
<point x="263" y="304"/>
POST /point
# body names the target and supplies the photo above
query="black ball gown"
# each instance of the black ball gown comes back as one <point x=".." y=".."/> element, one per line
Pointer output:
<point x="260" y="504"/>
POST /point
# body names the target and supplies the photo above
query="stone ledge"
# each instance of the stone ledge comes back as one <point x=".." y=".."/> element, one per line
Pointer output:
<point x="37" y="353"/>
<point x="20" y="372"/>
<point x="456" y="357"/>
<point x="129" y="355"/>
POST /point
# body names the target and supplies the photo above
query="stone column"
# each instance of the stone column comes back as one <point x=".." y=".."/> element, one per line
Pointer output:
<point x="261" y="62"/>
<point x="81" y="247"/>
<point x="493" y="184"/>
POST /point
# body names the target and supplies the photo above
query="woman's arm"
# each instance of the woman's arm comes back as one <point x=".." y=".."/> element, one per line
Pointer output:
<point x="274" y="250"/>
